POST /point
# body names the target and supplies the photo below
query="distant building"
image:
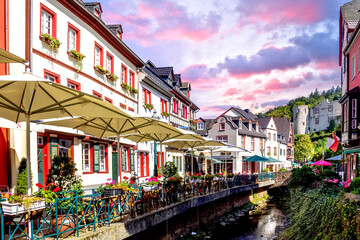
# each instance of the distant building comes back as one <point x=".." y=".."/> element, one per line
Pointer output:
<point x="316" y="118"/>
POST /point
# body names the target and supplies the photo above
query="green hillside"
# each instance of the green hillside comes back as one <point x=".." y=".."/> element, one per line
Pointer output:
<point x="313" y="99"/>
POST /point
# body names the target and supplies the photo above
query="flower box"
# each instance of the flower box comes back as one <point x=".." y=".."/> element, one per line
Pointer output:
<point x="108" y="192"/>
<point x="16" y="208"/>
<point x="111" y="77"/>
<point x="100" y="70"/>
<point x="196" y="180"/>
<point x="148" y="188"/>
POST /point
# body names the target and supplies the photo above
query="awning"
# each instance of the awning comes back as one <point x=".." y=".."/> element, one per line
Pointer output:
<point x="256" y="158"/>
<point x="336" y="158"/>
<point x="356" y="150"/>
<point x="273" y="160"/>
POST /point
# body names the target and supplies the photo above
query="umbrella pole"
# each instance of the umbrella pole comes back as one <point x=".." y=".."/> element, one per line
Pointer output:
<point x="28" y="163"/>
<point x="161" y="158"/>
<point x="212" y="163"/>
<point x="118" y="155"/>
<point x="192" y="162"/>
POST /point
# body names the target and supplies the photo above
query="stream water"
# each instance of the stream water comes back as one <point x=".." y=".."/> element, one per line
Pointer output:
<point x="262" y="226"/>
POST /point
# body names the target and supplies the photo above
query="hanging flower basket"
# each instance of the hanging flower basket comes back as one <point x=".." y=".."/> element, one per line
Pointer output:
<point x="17" y="208"/>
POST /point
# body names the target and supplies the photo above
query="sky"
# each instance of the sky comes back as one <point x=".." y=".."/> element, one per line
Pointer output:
<point x="255" y="54"/>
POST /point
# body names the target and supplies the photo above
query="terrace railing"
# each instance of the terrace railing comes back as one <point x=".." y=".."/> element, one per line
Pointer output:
<point x="86" y="210"/>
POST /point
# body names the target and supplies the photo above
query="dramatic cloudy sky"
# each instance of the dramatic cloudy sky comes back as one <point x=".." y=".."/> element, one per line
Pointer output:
<point x="252" y="54"/>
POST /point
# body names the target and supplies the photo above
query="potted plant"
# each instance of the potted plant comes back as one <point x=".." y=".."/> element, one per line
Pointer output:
<point x="112" y="77"/>
<point x="79" y="57"/>
<point x="18" y="204"/>
<point x="148" y="106"/>
<point x="52" y="42"/>
<point x="100" y="70"/>
<point x="230" y="176"/>
<point x="196" y="177"/>
<point x="111" y="188"/>
<point x="49" y="193"/>
<point x="126" y="86"/>
<point x="219" y="176"/>
<point x="151" y="184"/>
<point x="165" y="114"/>
<point x="134" y="90"/>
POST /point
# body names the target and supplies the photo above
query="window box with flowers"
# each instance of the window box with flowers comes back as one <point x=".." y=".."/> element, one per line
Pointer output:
<point x="165" y="114"/>
<point x="18" y="204"/>
<point x="148" y="106"/>
<point x="79" y="57"/>
<point x="126" y="86"/>
<point x="100" y="70"/>
<point x="134" y="90"/>
<point x="52" y="42"/>
<point x="219" y="176"/>
<point x="112" y="77"/>
<point x="151" y="184"/>
<point x="195" y="178"/>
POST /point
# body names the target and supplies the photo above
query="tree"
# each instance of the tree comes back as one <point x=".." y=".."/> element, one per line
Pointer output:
<point x="332" y="125"/>
<point x="303" y="147"/>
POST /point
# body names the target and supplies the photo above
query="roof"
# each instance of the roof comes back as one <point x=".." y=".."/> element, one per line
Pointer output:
<point x="208" y="124"/>
<point x="177" y="78"/>
<point x="185" y="84"/>
<point x="162" y="71"/>
<point x="264" y="122"/>
<point x="283" y="127"/>
<point x="350" y="10"/>
<point x="245" y="113"/>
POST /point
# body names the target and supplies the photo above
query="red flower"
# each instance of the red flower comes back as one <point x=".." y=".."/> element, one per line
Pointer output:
<point x="57" y="189"/>
<point x="126" y="178"/>
<point x="39" y="185"/>
<point x="131" y="182"/>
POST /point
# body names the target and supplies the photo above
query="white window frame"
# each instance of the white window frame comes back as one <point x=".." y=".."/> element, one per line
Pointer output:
<point x="200" y="126"/>
<point x="46" y="19"/>
<point x="85" y="151"/>
<point x="126" y="162"/>
<point x="97" y="52"/>
<point x="50" y="77"/>
<point x="222" y="128"/>
<point x="243" y="141"/>
<point x="353" y="67"/>
<point x="71" y="85"/>
<point x="353" y="124"/>
<point x="131" y="78"/>
<point x="72" y="39"/>
<point x="102" y="158"/>
<point x="108" y="62"/>
<point x="354" y="108"/>
<point x="223" y="139"/>
<point x="252" y="144"/>
<point x="123" y="74"/>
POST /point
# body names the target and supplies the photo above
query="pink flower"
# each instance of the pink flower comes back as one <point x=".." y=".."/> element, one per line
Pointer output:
<point x="346" y="185"/>
<point x="336" y="180"/>
<point x="146" y="179"/>
<point x="10" y="194"/>
<point x="106" y="183"/>
<point x="325" y="179"/>
<point x="109" y="179"/>
<point x="113" y="182"/>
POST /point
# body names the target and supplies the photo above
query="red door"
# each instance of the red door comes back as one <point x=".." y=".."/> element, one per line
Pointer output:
<point x="4" y="158"/>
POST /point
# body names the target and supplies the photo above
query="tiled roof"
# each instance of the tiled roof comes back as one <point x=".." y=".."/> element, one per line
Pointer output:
<point x="350" y="10"/>
<point x="245" y="114"/>
<point x="264" y="122"/>
<point x="162" y="71"/>
<point x="149" y="72"/>
<point x="283" y="127"/>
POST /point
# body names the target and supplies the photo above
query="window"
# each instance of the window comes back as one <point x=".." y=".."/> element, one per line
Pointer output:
<point x="176" y="106"/>
<point x="125" y="159"/>
<point x="200" y="126"/>
<point x="275" y="151"/>
<point x="243" y="142"/>
<point x="73" y="38"/>
<point x="223" y="139"/>
<point x="222" y="126"/>
<point x="268" y="150"/>
<point x="48" y="21"/>
<point x="184" y="111"/>
<point x="146" y="96"/>
<point x="260" y="144"/>
<point x="102" y="158"/>
<point x="353" y="124"/>
<point x="252" y="144"/>
<point x="274" y="137"/>
<point x="353" y="67"/>
<point x="98" y="53"/>
<point x="164" y="106"/>
<point x="86" y="157"/>
<point x="74" y="85"/>
<point x="40" y="140"/>
<point x="95" y="93"/>
<point x="269" y="136"/>
<point x="179" y="163"/>
<point x="330" y="109"/>
<point x="108" y="100"/>
<point x="143" y="160"/>
<point x="353" y="108"/>
<point x="317" y="110"/>
<point x="316" y="120"/>
<point x="110" y="63"/>
<point x="345" y="116"/>
<point x="131" y="78"/>
<point x="51" y="76"/>
<point x="123" y="74"/>
<point x="123" y="106"/>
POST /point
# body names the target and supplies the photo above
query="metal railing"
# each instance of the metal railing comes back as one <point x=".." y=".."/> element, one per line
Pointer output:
<point x="87" y="210"/>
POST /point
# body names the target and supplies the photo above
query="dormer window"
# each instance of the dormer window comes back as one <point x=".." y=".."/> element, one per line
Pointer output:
<point x="97" y="13"/>
<point x="200" y="126"/>
<point x="119" y="35"/>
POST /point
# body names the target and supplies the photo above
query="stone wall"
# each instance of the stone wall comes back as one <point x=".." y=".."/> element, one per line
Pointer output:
<point x="180" y="218"/>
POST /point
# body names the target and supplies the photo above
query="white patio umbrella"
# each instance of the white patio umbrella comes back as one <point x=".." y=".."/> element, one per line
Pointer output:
<point x="184" y="144"/>
<point x="26" y="97"/>
<point x="7" y="57"/>
<point x="162" y="137"/>
<point x="110" y="127"/>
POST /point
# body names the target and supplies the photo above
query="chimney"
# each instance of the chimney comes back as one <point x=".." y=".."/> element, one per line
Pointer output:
<point x="246" y="110"/>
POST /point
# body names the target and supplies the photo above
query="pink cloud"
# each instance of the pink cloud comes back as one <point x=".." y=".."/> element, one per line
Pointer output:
<point x="145" y="21"/>
<point x="231" y="92"/>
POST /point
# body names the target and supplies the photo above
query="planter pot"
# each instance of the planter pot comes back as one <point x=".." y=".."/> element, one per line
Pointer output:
<point x="67" y="224"/>
<point x="110" y="78"/>
<point x="113" y="192"/>
<point x="99" y="71"/>
<point x="148" y="188"/>
<point x="218" y="178"/>
<point x="45" y="40"/>
<point x="16" y="208"/>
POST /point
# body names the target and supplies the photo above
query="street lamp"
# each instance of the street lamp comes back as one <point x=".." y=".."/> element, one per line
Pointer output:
<point x="156" y="117"/>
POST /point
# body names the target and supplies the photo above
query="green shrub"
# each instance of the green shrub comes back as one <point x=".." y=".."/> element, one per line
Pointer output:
<point x="354" y="186"/>
<point x="302" y="177"/>
<point x="282" y="169"/>
<point x="21" y="181"/>
<point x="328" y="173"/>
<point x="169" y="169"/>
<point x="265" y="170"/>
